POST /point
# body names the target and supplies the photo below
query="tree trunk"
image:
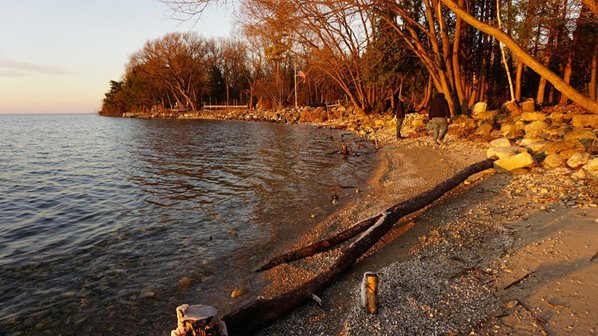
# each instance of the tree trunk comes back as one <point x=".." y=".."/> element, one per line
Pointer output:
<point x="592" y="86"/>
<point x="256" y="314"/>
<point x="546" y="61"/>
<point x="526" y="58"/>
<point x="518" y="81"/>
<point x="457" y="66"/>
<point x="567" y="77"/>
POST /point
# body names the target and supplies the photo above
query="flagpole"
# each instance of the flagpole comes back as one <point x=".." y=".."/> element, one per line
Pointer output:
<point x="295" y="64"/>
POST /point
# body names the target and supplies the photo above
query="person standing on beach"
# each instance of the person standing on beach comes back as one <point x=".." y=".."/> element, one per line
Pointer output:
<point x="399" y="111"/>
<point x="439" y="114"/>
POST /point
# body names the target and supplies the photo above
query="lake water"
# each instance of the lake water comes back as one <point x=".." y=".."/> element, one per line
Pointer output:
<point x="106" y="225"/>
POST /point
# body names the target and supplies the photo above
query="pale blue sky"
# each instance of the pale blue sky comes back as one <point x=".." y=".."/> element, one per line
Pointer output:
<point x="57" y="56"/>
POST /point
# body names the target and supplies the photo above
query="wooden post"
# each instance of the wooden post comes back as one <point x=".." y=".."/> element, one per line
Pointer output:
<point x="369" y="292"/>
<point x="198" y="320"/>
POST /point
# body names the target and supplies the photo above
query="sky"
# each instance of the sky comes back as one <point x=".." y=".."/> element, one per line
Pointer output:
<point x="58" y="56"/>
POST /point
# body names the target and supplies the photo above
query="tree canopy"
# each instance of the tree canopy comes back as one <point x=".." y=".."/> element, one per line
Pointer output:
<point x="362" y="51"/>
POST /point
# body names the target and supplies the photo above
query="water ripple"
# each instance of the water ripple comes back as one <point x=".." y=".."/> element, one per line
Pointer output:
<point x="95" y="213"/>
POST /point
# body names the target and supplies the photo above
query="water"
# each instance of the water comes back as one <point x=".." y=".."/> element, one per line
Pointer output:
<point x="106" y="225"/>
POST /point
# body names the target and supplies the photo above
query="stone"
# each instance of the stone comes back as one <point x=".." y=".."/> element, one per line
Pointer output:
<point x="585" y="120"/>
<point x="591" y="169"/>
<point x="581" y="133"/>
<point x="468" y="123"/>
<point x="501" y="142"/>
<point x="559" y="117"/>
<point x="556" y="147"/>
<point x="479" y="107"/>
<point x="503" y="152"/>
<point x="535" y="127"/>
<point x="513" y="108"/>
<point x="486" y="115"/>
<point x="237" y="292"/>
<point x="580" y="175"/>
<point x="533" y="116"/>
<point x="578" y="159"/>
<point x="511" y="131"/>
<point x="147" y="292"/>
<point x="484" y="130"/>
<point x="552" y="161"/>
<point x="528" y="106"/>
<point x="517" y="161"/>
<point x="568" y="153"/>
<point x="592" y="165"/>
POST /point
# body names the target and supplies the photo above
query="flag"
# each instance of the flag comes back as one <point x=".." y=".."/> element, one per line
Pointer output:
<point x="302" y="75"/>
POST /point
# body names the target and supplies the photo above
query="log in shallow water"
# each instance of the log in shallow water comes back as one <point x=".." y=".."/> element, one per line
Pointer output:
<point x="257" y="314"/>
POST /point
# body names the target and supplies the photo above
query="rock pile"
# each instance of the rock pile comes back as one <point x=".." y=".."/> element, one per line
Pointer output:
<point x="554" y="138"/>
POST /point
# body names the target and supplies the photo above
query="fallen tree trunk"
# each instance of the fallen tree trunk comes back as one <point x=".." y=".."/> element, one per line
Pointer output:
<point x="319" y="246"/>
<point x="257" y="314"/>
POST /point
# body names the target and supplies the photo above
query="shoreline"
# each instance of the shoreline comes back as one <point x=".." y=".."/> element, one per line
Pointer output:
<point x="461" y="265"/>
<point x="443" y="270"/>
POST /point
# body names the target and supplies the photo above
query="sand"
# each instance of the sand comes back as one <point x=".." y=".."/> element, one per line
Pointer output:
<point x="501" y="254"/>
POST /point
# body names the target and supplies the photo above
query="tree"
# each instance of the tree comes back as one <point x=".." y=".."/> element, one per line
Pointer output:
<point x="525" y="57"/>
<point x="179" y="62"/>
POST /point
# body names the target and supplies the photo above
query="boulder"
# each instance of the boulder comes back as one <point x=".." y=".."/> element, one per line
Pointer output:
<point x="568" y="153"/>
<point x="535" y="127"/>
<point x="486" y="115"/>
<point x="533" y="116"/>
<point x="591" y="168"/>
<point x="578" y="159"/>
<point x="479" y="107"/>
<point x="465" y="122"/>
<point x="555" y="132"/>
<point x="517" y="161"/>
<point x="484" y="130"/>
<point x="536" y="146"/>
<point x="513" y="108"/>
<point x="511" y="131"/>
<point x="552" y="161"/>
<point x="528" y="105"/>
<point x="585" y="120"/>
<point x="580" y="133"/>
<point x="580" y="175"/>
<point x="556" y="147"/>
<point x="500" y="143"/>
<point x="592" y="165"/>
<point x="559" y="117"/>
<point x="503" y="152"/>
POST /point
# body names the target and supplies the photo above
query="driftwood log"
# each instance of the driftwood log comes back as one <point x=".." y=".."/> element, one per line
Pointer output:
<point x="257" y="314"/>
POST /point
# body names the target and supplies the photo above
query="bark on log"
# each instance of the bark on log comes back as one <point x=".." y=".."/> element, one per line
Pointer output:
<point x="319" y="246"/>
<point x="255" y="315"/>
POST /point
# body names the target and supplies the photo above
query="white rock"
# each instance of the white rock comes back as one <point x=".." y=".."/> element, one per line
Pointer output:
<point x="517" y="161"/>
<point x="578" y="159"/>
<point x="503" y="152"/>
<point x="479" y="107"/>
<point x="501" y="142"/>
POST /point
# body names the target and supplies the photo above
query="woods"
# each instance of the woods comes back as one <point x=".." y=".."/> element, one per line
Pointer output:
<point x="360" y="52"/>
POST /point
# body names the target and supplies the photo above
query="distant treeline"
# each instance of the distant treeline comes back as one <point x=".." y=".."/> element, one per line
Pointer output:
<point x="363" y="52"/>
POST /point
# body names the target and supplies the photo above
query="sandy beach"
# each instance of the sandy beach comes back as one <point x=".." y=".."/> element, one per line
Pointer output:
<point x="506" y="254"/>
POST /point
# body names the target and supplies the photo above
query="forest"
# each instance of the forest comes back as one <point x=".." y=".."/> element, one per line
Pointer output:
<point x="361" y="52"/>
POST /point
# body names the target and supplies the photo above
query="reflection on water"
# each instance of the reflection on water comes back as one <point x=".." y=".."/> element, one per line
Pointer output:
<point x="108" y="224"/>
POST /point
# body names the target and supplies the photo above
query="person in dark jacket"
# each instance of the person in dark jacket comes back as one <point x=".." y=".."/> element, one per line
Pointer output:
<point x="439" y="114"/>
<point x="399" y="111"/>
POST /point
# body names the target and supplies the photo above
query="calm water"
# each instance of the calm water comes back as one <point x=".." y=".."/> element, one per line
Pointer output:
<point x="106" y="225"/>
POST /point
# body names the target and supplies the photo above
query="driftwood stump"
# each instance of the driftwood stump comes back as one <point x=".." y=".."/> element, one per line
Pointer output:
<point x="198" y="320"/>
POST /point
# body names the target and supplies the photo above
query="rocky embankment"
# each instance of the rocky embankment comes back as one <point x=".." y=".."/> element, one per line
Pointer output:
<point x="505" y="253"/>
<point x="562" y="138"/>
